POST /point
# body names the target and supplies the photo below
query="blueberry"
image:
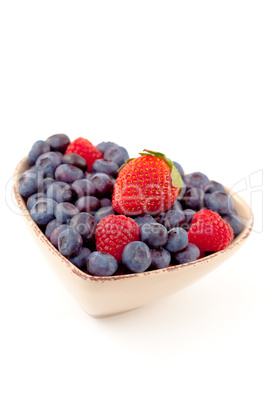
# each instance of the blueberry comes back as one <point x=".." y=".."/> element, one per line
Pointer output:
<point x="105" y="202"/>
<point x="103" y="184"/>
<point x="64" y="211"/>
<point x="58" y="142"/>
<point x="51" y="226"/>
<point x="29" y="183"/>
<point x="47" y="163"/>
<point x="176" y="206"/>
<point x="190" y="253"/>
<point x="188" y="213"/>
<point x="56" y="232"/>
<point x="43" y="211"/>
<point x="101" y="264"/>
<point x="85" y="224"/>
<point x="154" y="234"/>
<point x="103" y="166"/>
<point x="177" y="240"/>
<point x="83" y="187"/>
<point x="196" y="179"/>
<point x="219" y="202"/>
<point x="46" y="183"/>
<point x="81" y="258"/>
<point x="68" y="173"/>
<point x="103" y="212"/>
<point x="212" y="186"/>
<point x="179" y="168"/>
<point x="142" y="219"/>
<point x="38" y="148"/>
<point x="69" y="242"/>
<point x="194" y="198"/>
<point x="60" y="192"/>
<point x="173" y="218"/>
<point x="75" y="160"/>
<point x="136" y="256"/>
<point x="160" y="258"/>
<point x="234" y="222"/>
<point x="116" y="154"/>
<point x="34" y="198"/>
<point x="104" y="145"/>
<point x="88" y="203"/>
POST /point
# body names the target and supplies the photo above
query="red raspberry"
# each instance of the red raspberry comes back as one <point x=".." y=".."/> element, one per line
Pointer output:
<point x="114" y="232"/>
<point x="209" y="232"/>
<point x="84" y="148"/>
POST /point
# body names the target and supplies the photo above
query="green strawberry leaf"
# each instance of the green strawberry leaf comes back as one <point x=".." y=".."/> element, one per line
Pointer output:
<point x="176" y="179"/>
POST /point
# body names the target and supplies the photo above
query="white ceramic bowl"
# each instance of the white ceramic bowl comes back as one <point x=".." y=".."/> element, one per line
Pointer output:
<point x="103" y="296"/>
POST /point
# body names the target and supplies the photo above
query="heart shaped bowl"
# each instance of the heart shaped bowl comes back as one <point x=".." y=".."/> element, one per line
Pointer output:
<point x="104" y="296"/>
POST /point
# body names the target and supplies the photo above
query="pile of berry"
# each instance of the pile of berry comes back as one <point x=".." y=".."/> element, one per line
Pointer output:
<point x="111" y="215"/>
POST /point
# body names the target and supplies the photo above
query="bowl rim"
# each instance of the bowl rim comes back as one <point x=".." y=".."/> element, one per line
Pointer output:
<point x="85" y="276"/>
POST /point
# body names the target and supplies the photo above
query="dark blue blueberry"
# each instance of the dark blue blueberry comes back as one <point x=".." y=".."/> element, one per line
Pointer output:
<point x="65" y="211"/>
<point x="219" y="202"/>
<point x="103" y="166"/>
<point x="45" y="183"/>
<point x="51" y="226"/>
<point x="60" y="192"/>
<point x="105" y="202"/>
<point x="103" y="212"/>
<point x="38" y="148"/>
<point x="116" y="154"/>
<point x="34" y="198"/>
<point x="68" y="173"/>
<point x="196" y="179"/>
<point x="234" y="222"/>
<point x="194" y="198"/>
<point x="104" y="145"/>
<point x="54" y="236"/>
<point x="88" y="175"/>
<point x="179" y="168"/>
<point x="136" y="256"/>
<point x="58" y="142"/>
<point x="160" y="258"/>
<point x="83" y="187"/>
<point x="176" y="206"/>
<point x="43" y="211"/>
<point x="85" y="224"/>
<point x="81" y="258"/>
<point x="153" y="234"/>
<point x="88" y="203"/>
<point x="190" y="253"/>
<point x="173" y="218"/>
<point x="47" y="163"/>
<point x="29" y="183"/>
<point x="101" y="264"/>
<point x="177" y="240"/>
<point x="212" y="186"/>
<point x="188" y="213"/>
<point x="142" y="219"/>
<point x="69" y="242"/>
<point x="103" y="184"/>
<point x="75" y="160"/>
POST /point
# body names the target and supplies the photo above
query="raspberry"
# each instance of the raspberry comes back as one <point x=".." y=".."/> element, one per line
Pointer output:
<point x="209" y="232"/>
<point x="114" y="232"/>
<point x="86" y="149"/>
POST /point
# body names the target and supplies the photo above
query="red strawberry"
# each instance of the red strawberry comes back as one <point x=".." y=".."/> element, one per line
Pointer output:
<point x="114" y="232"/>
<point x="147" y="184"/>
<point x="209" y="232"/>
<point x="86" y="149"/>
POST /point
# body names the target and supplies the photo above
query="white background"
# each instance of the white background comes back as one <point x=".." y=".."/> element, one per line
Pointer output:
<point x="185" y="78"/>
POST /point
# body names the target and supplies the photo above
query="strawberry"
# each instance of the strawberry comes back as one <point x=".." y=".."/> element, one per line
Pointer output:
<point x="147" y="184"/>
<point x="86" y="150"/>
